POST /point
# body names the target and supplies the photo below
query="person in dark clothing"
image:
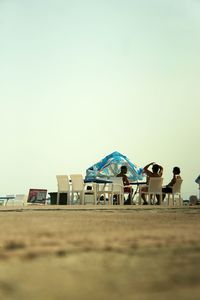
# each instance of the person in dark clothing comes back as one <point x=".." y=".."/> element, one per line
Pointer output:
<point x="168" y="188"/>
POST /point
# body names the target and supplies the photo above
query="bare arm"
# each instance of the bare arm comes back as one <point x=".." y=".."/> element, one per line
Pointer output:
<point x="149" y="173"/>
<point x="172" y="182"/>
<point x="160" y="172"/>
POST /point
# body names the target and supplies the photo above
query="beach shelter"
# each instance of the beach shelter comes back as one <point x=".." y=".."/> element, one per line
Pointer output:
<point x="110" y="166"/>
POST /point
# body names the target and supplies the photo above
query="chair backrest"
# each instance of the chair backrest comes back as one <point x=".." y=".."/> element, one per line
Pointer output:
<point x="63" y="183"/>
<point x="177" y="186"/>
<point x="77" y="182"/>
<point x="104" y="187"/>
<point x="20" y="197"/>
<point x="155" y="185"/>
<point x="117" y="185"/>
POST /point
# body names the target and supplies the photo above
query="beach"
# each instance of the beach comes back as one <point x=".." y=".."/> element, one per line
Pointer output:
<point x="99" y="252"/>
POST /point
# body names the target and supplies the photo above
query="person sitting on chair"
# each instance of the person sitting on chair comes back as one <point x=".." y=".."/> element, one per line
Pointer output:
<point x="157" y="171"/>
<point x="127" y="188"/>
<point x="168" y="188"/>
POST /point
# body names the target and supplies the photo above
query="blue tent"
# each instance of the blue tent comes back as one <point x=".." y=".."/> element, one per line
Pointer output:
<point x="110" y="166"/>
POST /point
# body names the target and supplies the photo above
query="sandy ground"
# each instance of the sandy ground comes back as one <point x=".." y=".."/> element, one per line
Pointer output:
<point x="112" y="253"/>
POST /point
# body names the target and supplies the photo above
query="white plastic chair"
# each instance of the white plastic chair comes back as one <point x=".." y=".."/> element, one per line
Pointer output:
<point x="176" y="191"/>
<point x="19" y="200"/>
<point x="154" y="188"/>
<point x="108" y="190"/>
<point x="78" y="188"/>
<point x="118" y="189"/>
<point x="63" y="187"/>
<point x="105" y="190"/>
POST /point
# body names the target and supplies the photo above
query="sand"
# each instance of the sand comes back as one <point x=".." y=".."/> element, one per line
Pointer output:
<point x="59" y="252"/>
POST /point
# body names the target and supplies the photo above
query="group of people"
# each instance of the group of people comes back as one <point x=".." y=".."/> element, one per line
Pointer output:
<point x="157" y="171"/>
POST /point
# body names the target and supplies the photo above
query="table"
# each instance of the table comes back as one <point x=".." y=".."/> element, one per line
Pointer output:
<point x="98" y="181"/>
<point x="6" y="198"/>
<point x="138" y="184"/>
<point x="106" y="181"/>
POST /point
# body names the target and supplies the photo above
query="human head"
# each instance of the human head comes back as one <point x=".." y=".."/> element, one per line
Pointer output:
<point x="176" y="170"/>
<point x="123" y="169"/>
<point x="155" y="168"/>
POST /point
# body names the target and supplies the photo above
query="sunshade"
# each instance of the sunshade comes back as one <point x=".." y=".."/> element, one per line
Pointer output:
<point x="110" y="166"/>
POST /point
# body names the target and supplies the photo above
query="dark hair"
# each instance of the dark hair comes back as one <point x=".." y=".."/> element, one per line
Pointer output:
<point x="123" y="168"/>
<point x="155" y="168"/>
<point x="176" y="170"/>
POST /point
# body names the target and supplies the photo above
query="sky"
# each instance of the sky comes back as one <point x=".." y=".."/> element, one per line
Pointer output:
<point x="80" y="79"/>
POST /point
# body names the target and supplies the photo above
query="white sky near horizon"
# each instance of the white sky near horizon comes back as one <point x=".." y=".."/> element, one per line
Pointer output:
<point x="83" y="78"/>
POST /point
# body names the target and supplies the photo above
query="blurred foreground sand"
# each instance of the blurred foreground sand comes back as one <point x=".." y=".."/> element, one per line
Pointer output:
<point x="100" y="253"/>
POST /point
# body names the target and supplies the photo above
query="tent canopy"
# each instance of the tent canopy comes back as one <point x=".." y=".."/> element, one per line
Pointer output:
<point x="110" y="166"/>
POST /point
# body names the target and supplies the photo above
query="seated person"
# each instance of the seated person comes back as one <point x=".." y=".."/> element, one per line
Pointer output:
<point x="127" y="188"/>
<point x="168" y="188"/>
<point x="157" y="171"/>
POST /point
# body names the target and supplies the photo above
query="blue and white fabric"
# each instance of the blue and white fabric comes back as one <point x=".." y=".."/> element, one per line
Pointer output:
<point x="110" y="166"/>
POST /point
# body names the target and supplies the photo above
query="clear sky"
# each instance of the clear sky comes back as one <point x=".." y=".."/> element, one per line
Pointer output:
<point x="80" y="79"/>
